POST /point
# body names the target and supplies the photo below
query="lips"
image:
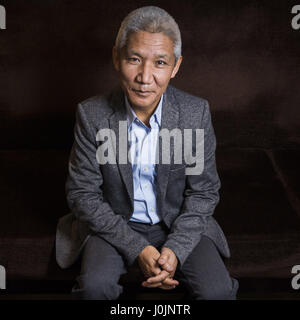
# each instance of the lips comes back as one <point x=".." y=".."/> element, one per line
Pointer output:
<point x="141" y="91"/>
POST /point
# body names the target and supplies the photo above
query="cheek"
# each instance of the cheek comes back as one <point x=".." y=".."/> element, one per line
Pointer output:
<point x="127" y="74"/>
<point x="163" y="79"/>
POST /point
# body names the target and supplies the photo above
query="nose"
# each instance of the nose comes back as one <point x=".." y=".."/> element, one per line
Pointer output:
<point x="145" y="75"/>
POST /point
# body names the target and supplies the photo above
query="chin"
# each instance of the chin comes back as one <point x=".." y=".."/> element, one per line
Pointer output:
<point x="141" y="102"/>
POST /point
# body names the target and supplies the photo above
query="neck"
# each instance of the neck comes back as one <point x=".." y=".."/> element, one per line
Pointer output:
<point x="144" y="115"/>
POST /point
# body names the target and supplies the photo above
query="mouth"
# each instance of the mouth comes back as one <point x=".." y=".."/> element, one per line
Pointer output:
<point x="141" y="92"/>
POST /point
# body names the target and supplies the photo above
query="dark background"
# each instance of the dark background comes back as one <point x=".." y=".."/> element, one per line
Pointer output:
<point x="242" y="56"/>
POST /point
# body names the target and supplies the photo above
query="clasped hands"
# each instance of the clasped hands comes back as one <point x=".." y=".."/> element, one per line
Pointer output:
<point x="158" y="268"/>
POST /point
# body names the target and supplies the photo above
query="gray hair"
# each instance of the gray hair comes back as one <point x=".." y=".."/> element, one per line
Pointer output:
<point x="151" y="19"/>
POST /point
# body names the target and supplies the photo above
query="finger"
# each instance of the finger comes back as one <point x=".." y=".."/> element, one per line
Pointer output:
<point x="172" y="259"/>
<point x="163" y="258"/>
<point x="167" y="282"/>
<point x="167" y="267"/>
<point x="165" y="263"/>
<point x="170" y="281"/>
<point x="160" y="277"/>
<point x="152" y="272"/>
<point x="171" y="264"/>
<point x="151" y="285"/>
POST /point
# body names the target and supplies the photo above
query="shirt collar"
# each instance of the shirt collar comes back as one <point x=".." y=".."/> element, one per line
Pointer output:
<point x="131" y="115"/>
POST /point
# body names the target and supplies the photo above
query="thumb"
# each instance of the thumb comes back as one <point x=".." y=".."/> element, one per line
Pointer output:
<point x="163" y="258"/>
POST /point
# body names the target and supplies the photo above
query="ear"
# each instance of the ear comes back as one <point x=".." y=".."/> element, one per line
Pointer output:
<point x="115" y="58"/>
<point x="176" y="68"/>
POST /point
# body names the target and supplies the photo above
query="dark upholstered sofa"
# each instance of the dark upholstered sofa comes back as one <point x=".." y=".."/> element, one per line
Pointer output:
<point x="240" y="56"/>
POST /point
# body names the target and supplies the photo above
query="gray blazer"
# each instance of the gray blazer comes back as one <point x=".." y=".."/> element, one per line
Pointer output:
<point x="100" y="197"/>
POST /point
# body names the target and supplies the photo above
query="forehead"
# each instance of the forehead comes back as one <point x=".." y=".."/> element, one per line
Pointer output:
<point x="147" y="44"/>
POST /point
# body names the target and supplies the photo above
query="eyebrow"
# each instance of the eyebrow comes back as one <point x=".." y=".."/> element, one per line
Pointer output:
<point x="156" y="56"/>
<point x="162" y="56"/>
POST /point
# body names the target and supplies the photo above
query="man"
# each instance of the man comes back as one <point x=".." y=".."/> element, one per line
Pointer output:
<point x="144" y="212"/>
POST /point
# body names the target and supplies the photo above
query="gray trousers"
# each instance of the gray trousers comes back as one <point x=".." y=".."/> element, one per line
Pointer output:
<point x="203" y="274"/>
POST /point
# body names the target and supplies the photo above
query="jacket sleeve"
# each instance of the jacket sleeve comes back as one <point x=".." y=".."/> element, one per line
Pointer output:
<point x="85" y="198"/>
<point x="200" y="198"/>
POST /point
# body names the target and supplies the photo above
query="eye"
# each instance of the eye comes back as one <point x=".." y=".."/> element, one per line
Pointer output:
<point x="133" y="60"/>
<point x="161" y="62"/>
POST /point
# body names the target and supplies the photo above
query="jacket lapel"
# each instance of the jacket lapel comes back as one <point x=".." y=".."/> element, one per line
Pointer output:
<point x="118" y="104"/>
<point x="169" y="120"/>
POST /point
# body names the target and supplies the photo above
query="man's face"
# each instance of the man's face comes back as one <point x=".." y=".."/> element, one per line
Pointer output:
<point x="146" y="66"/>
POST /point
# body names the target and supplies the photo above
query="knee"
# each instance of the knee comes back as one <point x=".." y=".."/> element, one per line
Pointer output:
<point x="219" y="292"/>
<point x="96" y="288"/>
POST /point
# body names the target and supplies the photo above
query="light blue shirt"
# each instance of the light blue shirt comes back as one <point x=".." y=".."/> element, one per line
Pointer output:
<point x="142" y="144"/>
